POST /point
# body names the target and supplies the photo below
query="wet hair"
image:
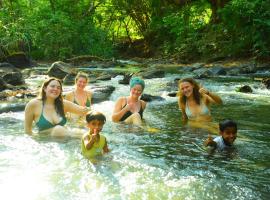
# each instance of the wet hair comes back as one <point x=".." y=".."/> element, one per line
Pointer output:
<point x="136" y="81"/>
<point x="95" y="115"/>
<point x="58" y="103"/>
<point x="196" y="87"/>
<point x="227" y="123"/>
<point x="81" y="75"/>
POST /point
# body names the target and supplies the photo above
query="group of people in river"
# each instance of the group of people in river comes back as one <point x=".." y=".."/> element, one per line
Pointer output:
<point x="50" y="109"/>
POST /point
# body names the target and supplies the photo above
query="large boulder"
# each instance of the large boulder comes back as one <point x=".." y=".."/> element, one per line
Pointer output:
<point x="14" y="78"/>
<point x="60" y="69"/>
<point x="102" y="93"/>
<point x="19" y="60"/>
<point x="202" y="73"/>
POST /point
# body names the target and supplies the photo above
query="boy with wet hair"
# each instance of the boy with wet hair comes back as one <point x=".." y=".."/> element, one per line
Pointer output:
<point x="93" y="143"/>
<point x="228" y="132"/>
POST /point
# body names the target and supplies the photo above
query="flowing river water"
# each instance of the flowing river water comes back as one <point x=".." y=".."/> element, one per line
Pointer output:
<point x="164" y="160"/>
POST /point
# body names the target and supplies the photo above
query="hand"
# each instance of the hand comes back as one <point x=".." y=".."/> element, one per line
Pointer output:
<point x="95" y="135"/>
<point x="203" y="91"/>
<point x="209" y="141"/>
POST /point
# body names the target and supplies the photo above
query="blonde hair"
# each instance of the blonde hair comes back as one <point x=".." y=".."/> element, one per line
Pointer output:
<point x="81" y="75"/>
<point x="196" y="88"/>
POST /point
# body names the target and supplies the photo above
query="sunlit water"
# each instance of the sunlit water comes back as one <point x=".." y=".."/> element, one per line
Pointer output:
<point x="163" y="160"/>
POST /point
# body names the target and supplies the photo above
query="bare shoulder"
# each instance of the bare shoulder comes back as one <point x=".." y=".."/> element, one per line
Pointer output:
<point x="34" y="102"/>
<point x="89" y="93"/>
<point x="121" y="100"/>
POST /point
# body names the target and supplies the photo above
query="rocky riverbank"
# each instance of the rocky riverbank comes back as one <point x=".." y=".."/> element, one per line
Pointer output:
<point x="12" y="78"/>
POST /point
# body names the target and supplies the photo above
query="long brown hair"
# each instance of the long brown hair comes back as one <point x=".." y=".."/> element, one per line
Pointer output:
<point x="58" y="103"/>
<point x="196" y="87"/>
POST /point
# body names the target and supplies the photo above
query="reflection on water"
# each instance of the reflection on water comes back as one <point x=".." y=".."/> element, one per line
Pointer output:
<point x="161" y="160"/>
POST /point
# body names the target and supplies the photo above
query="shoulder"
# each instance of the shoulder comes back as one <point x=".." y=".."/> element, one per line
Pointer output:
<point x="88" y="93"/>
<point x="34" y="102"/>
<point x="121" y="100"/>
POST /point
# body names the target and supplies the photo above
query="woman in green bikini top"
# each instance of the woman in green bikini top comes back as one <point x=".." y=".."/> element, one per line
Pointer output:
<point x="80" y="95"/>
<point x="49" y="110"/>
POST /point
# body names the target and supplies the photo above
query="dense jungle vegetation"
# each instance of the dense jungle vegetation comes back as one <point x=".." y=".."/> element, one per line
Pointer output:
<point x="183" y="29"/>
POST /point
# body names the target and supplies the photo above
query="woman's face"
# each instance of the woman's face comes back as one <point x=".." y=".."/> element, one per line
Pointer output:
<point x="53" y="89"/>
<point x="186" y="88"/>
<point x="81" y="83"/>
<point x="136" y="91"/>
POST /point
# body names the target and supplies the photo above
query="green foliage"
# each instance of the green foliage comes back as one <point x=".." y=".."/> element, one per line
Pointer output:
<point x="59" y="29"/>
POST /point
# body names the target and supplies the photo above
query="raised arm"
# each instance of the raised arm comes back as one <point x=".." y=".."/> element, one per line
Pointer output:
<point x="210" y="96"/>
<point x="29" y="117"/>
<point x="118" y="111"/>
<point x="74" y="108"/>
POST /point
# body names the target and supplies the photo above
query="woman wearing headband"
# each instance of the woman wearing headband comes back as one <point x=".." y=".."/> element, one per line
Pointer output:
<point x="130" y="109"/>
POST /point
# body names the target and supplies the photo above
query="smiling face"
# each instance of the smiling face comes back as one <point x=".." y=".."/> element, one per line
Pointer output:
<point x="53" y="89"/>
<point x="136" y="91"/>
<point x="81" y="83"/>
<point x="186" y="88"/>
<point x="229" y="135"/>
<point x="95" y="126"/>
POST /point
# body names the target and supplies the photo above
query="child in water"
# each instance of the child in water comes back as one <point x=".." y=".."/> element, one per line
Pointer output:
<point x="228" y="132"/>
<point x="93" y="143"/>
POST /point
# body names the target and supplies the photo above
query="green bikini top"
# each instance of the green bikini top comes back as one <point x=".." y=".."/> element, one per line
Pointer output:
<point x="87" y="104"/>
<point x="44" y="124"/>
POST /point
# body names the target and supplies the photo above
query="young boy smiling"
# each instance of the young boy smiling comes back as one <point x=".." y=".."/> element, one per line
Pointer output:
<point x="93" y="143"/>
<point x="228" y="132"/>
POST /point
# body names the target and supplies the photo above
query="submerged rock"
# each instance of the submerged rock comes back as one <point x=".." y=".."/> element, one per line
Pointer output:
<point x="102" y="93"/>
<point x="245" y="89"/>
<point x="149" y="98"/>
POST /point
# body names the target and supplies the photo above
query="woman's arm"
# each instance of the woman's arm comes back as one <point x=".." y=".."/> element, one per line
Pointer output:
<point x="29" y="117"/>
<point x="74" y="108"/>
<point x="118" y="111"/>
<point x="210" y="97"/>
<point x="143" y="104"/>
<point x="69" y="96"/>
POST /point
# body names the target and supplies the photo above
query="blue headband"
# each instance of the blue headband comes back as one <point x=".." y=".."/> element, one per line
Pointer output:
<point x="136" y="81"/>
